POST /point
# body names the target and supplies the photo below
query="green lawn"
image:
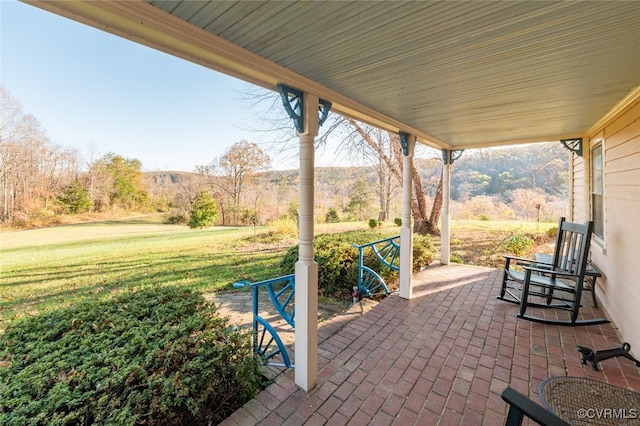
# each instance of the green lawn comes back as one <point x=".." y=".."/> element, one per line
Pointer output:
<point x="45" y="268"/>
<point x="49" y="267"/>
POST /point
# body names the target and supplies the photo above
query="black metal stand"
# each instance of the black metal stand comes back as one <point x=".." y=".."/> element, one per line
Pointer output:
<point x="586" y="354"/>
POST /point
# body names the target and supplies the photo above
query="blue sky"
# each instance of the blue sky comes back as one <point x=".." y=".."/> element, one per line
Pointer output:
<point x="89" y="89"/>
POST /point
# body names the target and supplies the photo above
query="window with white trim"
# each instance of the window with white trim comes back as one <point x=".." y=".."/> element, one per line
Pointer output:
<point x="597" y="189"/>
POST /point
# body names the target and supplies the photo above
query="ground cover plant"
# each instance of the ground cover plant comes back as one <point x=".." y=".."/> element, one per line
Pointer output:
<point x="156" y="356"/>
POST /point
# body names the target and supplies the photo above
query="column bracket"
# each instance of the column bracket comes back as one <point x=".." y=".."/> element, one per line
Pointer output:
<point x="573" y="145"/>
<point x="293" y="102"/>
<point x="404" y="142"/>
<point x="449" y="156"/>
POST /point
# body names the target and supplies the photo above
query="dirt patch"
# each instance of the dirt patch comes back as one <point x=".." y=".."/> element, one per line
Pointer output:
<point x="238" y="307"/>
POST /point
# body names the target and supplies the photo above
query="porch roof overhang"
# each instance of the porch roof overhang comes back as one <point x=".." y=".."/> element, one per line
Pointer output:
<point x="454" y="74"/>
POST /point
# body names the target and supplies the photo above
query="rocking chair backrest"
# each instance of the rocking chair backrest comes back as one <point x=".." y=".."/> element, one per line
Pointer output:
<point x="556" y="253"/>
<point x="572" y="247"/>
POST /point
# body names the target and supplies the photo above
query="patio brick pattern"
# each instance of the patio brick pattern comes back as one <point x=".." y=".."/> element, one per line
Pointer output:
<point x="441" y="358"/>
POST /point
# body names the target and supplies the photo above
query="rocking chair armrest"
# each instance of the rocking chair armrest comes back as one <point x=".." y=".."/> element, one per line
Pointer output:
<point x="521" y="406"/>
<point x="524" y="262"/>
<point x="519" y="259"/>
<point x="550" y="271"/>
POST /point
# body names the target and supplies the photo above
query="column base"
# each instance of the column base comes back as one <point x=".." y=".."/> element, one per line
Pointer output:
<point x="306" y="320"/>
<point x="406" y="262"/>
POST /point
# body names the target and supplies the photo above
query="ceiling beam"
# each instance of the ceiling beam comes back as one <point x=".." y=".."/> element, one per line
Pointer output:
<point x="549" y="138"/>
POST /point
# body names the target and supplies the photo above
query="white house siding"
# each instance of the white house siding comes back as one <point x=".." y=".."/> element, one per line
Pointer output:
<point x="618" y="256"/>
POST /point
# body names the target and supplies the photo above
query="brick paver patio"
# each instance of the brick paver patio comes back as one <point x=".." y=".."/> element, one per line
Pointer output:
<point x="442" y="358"/>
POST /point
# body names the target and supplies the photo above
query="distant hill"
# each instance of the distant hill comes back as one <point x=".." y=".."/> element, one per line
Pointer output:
<point x="477" y="172"/>
<point x="497" y="173"/>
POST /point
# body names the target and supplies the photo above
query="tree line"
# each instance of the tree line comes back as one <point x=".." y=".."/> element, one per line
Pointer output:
<point x="40" y="179"/>
<point x="354" y="193"/>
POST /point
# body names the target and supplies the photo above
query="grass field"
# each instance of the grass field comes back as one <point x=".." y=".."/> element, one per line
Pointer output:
<point x="45" y="268"/>
<point x="479" y="242"/>
<point x="502" y="225"/>
<point x="49" y="267"/>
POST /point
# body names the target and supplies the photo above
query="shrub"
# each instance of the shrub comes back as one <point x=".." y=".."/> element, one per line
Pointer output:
<point x="331" y="216"/>
<point x="398" y="221"/>
<point x="204" y="211"/>
<point x="518" y="244"/>
<point x="373" y="223"/>
<point x="159" y="356"/>
<point x="285" y="226"/>
<point x="177" y="219"/>
<point x="248" y="217"/>
<point x="484" y="217"/>
<point x="338" y="260"/>
<point x="423" y="252"/>
<point x="335" y="258"/>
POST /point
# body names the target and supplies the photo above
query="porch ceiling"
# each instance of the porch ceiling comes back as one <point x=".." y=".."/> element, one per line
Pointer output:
<point x="455" y="74"/>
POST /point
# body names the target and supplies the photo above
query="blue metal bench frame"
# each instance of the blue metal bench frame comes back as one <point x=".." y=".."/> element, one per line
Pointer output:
<point x="387" y="251"/>
<point x="266" y="342"/>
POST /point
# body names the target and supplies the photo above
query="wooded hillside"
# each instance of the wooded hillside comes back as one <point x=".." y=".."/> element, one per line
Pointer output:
<point x="504" y="183"/>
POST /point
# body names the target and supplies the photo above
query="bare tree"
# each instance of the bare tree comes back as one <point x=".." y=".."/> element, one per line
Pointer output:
<point x="366" y="142"/>
<point x="10" y="113"/>
<point x="33" y="170"/>
<point x="387" y="185"/>
<point x="189" y="186"/>
<point x="387" y="188"/>
<point x="425" y="222"/>
<point x="230" y="173"/>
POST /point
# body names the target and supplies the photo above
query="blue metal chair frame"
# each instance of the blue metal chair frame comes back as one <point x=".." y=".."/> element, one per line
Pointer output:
<point x="387" y="251"/>
<point x="266" y="341"/>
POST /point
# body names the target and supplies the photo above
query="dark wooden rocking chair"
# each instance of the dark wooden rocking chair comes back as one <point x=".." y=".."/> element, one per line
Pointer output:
<point x="512" y="279"/>
<point x="556" y="285"/>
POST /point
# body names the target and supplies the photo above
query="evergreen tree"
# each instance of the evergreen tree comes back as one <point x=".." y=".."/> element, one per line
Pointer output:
<point x="331" y="216"/>
<point x="204" y="211"/>
<point x="361" y="200"/>
<point x="75" y="198"/>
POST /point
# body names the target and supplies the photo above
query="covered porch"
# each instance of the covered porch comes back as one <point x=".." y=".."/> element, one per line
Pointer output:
<point x="453" y="76"/>
<point x="440" y="358"/>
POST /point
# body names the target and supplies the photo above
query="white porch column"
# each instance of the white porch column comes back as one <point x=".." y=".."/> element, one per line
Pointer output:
<point x="306" y="270"/>
<point x="304" y="109"/>
<point x="406" y="232"/>
<point x="445" y="217"/>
